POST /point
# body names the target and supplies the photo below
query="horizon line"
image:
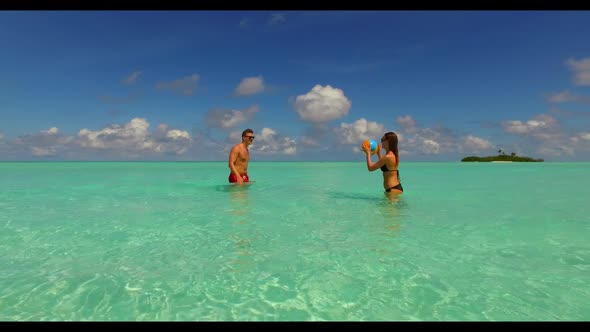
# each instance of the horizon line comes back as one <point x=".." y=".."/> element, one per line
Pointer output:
<point x="259" y="161"/>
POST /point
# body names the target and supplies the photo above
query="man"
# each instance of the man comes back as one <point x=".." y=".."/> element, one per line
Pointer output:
<point x="239" y="157"/>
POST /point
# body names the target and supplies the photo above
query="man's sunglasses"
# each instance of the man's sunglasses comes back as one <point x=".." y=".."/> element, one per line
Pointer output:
<point x="250" y="137"/>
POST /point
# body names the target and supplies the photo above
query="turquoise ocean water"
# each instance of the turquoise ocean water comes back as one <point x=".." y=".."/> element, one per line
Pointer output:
<point x="305" y="241"/>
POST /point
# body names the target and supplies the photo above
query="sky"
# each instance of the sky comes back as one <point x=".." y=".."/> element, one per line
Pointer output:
<point x="313" y="85"/>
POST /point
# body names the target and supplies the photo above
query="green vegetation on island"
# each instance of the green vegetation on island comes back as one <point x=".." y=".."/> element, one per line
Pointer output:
<point x="501" y="157"/>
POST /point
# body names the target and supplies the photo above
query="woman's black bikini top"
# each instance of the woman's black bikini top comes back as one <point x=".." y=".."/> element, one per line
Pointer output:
<point x="385" y="169"/>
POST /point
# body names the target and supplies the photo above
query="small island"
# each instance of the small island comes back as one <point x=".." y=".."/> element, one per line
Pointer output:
<point x="501" y="157"/>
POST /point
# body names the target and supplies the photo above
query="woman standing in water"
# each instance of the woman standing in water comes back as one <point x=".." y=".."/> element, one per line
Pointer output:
<point x="387" y="163"/>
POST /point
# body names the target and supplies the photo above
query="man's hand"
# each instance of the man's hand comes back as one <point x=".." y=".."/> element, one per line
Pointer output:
<point x="239" y="179"/>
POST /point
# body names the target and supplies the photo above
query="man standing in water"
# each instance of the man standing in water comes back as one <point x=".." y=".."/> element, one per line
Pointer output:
<point x="239" y="157"/>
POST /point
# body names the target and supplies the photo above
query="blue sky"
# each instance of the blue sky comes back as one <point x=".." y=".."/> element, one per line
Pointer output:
<point x="182" y="85"/>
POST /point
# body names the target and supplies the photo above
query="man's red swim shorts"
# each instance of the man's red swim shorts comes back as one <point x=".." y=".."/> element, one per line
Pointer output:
<point x="232" y="178"/>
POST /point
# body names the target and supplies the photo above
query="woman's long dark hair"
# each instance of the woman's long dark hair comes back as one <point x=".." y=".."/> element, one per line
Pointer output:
<point x="391" y="139"/>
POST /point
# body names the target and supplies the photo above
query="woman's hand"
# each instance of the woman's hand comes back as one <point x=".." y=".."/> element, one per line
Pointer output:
<point x="366" y="149"/>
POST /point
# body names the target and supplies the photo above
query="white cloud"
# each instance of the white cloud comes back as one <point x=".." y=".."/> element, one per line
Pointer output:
<point x="135" y="141"/>
<point x="584" y="136"/>
<point x="562" y="97"/>
<point x="544" y="136"/>
<point x="358" y="131"/>
<point x="553" y="143"/>
<point x="45" y="143"/>
<point x="566" y="96"/>
<point x="225" y="119"/>
<point x="583" y="77"/>
<point x="317" y="134"/>
<point x="407" y="122"/>
<point x="516" y="127"/>
<point x="404" y="152"/>
<point x="249" y="86"/>
<point x="134" y="136"/>
<point x="555" y="151"/>
<point x="475" y="144"/>
<point x="132" y="78"/>
<point x="541" y="122"/>
<point x="176" y="134"/>
<point x="166" y="132"/>
<point x="45" y="138"/>
<point x="1" y="136"/>
<point x="562" y="112"/>
<point x="236" y="136"/>
<point x="309" y="141"/>
<point x="430" y="141"/>
<point x="186" y="85"/>
<point x="429" y="146"/>
<point x="51" y="131"/>
<point x="42" y="152"/>
<point x="421" y="145"/>
<point x="580" y="65"/>
<point x="322" y="104"/>
<point x="268" y="141"/>
<point x="439" y="140"/>
<point x="276" y="19"/>
<point x="581" y="70"/>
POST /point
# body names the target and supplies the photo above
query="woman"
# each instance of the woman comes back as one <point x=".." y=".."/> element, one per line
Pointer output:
<point x="387" y="163"/>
